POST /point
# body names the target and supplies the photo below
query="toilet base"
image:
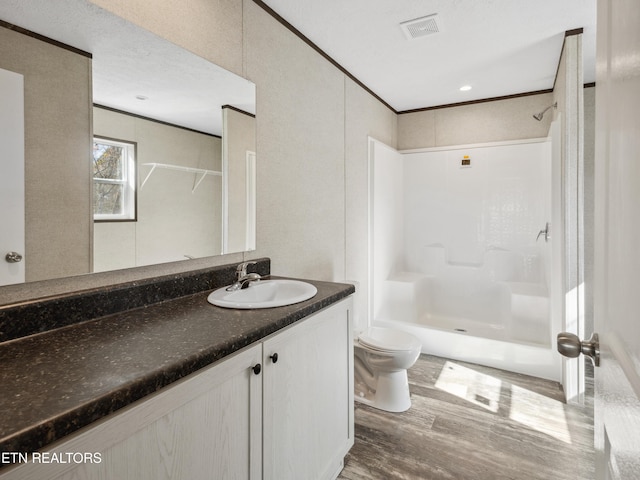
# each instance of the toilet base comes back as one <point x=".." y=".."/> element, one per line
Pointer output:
<point x="391" y="394"/>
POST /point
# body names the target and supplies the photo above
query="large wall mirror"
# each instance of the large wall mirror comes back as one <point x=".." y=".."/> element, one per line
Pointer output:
<point x="136" y="152"/>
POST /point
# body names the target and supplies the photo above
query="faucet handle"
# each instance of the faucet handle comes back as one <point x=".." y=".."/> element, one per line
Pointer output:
<point x="241" y="270"/>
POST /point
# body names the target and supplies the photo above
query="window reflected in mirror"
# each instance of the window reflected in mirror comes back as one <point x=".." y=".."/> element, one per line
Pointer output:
<point x="114" y="180"/>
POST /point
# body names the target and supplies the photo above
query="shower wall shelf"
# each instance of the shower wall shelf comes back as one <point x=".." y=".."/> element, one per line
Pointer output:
<point x="197" y="171"/>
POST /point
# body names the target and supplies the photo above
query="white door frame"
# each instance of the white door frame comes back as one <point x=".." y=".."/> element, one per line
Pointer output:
<point x="572" y="143"/>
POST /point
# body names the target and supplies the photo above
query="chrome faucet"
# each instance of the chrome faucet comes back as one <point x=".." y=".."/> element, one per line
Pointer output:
<point x="243" y="279"/>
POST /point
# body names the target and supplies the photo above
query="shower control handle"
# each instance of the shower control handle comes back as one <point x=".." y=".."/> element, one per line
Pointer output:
<point x="546" y="232"/>
<point x="570" y="346"/>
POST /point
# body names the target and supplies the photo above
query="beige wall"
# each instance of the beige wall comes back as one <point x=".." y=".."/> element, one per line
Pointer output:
<point x="57" y="87"/>
<point x="212" y="29"/>
<point x="301" y="151"/>
<point x="239" y="138"/>
<point x="172" y="221"/>
<point x="495" y="121"/>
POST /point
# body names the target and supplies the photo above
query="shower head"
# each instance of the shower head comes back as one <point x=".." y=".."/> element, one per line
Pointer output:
<point x="538" y="116"/>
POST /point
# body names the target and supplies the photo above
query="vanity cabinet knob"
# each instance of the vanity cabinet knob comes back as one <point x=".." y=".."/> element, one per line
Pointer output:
<point x="274" y="358"/>
<point x="257" y="369"/>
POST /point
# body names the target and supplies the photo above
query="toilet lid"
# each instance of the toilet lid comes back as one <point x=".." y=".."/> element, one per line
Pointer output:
<point x="387" y="339"/>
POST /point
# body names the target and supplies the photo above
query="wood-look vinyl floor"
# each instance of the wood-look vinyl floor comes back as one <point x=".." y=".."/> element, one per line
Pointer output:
<point x="469" y="422"/>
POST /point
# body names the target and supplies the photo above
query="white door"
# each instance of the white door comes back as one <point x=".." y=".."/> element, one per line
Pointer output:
<point x="11" y="177"/>
<point x="617" y="240"/>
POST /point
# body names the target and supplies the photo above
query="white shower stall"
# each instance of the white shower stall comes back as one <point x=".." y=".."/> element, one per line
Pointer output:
<point x="461" y="251"/>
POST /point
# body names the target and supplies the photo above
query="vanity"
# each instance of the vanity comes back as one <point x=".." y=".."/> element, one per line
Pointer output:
<point x="179" y="388"/>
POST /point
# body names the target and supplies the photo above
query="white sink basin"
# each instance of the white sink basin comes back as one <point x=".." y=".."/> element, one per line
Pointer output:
<point x="264" y="294"/>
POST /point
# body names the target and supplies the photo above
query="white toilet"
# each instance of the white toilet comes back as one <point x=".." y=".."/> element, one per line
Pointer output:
<point x="382" y="357"/>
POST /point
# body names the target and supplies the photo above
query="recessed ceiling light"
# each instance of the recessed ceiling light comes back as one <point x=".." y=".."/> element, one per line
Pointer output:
<point x="465" y="88"/>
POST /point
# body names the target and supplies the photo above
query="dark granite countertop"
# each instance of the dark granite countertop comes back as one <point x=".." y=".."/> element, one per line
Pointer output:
<point x="56" y="382"/>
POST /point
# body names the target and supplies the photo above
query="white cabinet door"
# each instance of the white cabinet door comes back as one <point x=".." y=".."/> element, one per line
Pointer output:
<point x="207" y="426"/>
<point x="308" y="397"/>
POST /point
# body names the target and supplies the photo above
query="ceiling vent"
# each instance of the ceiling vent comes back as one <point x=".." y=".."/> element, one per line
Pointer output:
<point x="421" y="27"/>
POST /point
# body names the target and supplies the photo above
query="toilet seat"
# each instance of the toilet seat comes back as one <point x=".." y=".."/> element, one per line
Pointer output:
<point x="387" y="340"/>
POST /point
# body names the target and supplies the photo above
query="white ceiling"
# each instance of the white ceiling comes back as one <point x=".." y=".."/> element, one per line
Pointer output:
<point x="499" y="47"/>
